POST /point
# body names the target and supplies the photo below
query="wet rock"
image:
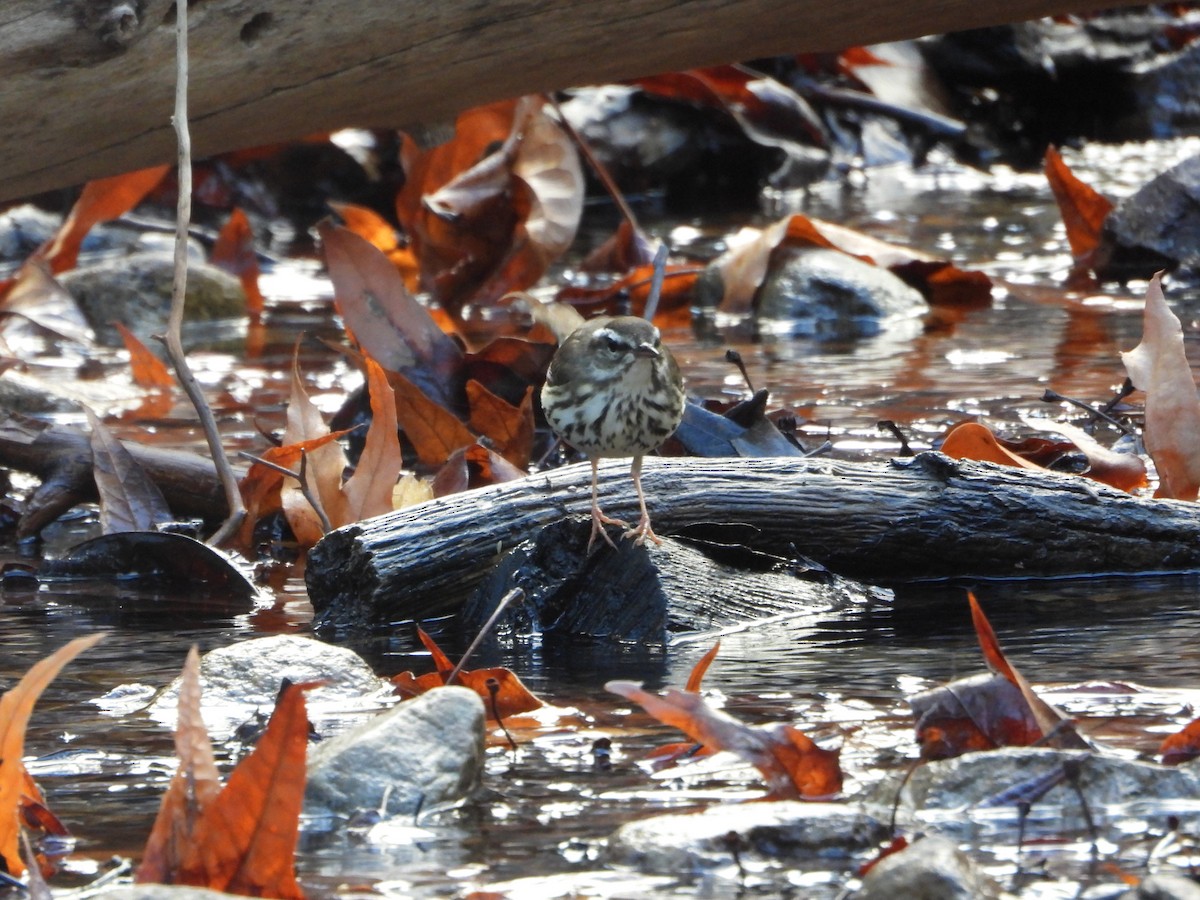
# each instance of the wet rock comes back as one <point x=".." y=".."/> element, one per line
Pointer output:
<point x="814" y="291"/>
<point x="1164" y="886"/>
<point x="23" y="229"/>
<point x="422" y="753"/>
<point x="1156" y="228"/>
<point x="21" y="394"/>
<point x="968" y="782"/>
<point x="932" y="868"/>
<point x="241" y="681"/>
<point x="678" y="844"/>
<point x="136" y="291"/>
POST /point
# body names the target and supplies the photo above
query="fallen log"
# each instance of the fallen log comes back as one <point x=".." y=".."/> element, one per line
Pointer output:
<point x="62" y="458"/>
<point x="925" y="517"/>
<point x="88" y="84"/>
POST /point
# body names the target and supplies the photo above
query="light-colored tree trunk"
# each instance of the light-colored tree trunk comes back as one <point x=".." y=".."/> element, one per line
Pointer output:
<point x="86" y="85"/>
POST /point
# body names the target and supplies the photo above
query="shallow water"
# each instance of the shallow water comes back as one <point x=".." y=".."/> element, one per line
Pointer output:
<point x="840" y="677"/>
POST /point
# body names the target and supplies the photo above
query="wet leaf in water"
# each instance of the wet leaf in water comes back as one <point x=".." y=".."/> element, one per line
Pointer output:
<point x="1083" y="209"/>
<point x="129" y="498"/>
<point x="234" y="252"/>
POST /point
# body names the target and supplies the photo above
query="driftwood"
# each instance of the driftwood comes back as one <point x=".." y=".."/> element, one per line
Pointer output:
<point x="62" y="458"/>
<point x="925" y="517"/>
<point x="88" y="83"/>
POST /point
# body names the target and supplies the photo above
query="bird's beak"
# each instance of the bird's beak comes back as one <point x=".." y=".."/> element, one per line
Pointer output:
<point x="646" y="351"/>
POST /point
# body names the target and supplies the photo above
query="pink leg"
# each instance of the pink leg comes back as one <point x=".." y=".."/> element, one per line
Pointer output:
<point x="642" y="530"/>
<point x="599" y="519"/>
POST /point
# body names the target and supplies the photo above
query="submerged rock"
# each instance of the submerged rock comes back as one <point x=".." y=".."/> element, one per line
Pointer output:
<point x="932" y="868"/>
<point x="786" y="829"/>
<point x="422" y="753"/>
<point x="1164" y="886"/>
<point x="135" y="290"/>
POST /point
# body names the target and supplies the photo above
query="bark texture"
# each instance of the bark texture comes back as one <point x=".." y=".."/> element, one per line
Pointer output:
<point x="88" y="83"/>
<point x="925" y="517"/>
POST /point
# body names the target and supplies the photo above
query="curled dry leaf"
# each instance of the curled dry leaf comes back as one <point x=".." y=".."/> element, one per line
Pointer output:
<point x="1159" y="366"/>
<point x="16" y="706"/>
<point x="326" y="464"/>
<point x="1125" y="471"/>
<point x="1083" y="209"/>
<point x="973" y="440"/>
<point x="369" y="490"/>
<point x="792" y="765"/>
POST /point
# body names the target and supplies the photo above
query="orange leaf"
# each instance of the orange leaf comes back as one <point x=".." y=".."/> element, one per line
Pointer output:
<point x="379" y="233"/>
<point x="791" y="764"/>
<point x="433" y="430"/>
<point x="369" y="490"/>
<point x="100" y="201"/>
<point x="971" y="440"/>
<point x="698" y="670"/>
<point x="1159" y="366"/>
<point x="1056" y="727"/>
<point x="1124" y="471"/>
<point x="245" y="839"/>
<point x="193" y="786"/>
<point x="16" y="706"/>
<point x="148" y="370"/>
<point x="1082" y="208"/>
<point x="234" y="252"/>
<point x="441" y="661"/>
<point x="1182" y="746"/>
<point x="326" y="464"/>
<point x="509" y="427"/>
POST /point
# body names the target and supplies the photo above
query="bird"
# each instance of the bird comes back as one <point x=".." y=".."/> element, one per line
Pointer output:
<point x="614" y="390"/>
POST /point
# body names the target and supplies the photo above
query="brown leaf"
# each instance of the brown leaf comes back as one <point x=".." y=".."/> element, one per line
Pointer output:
<point x="473" y="467"/>
<point x="129" y="498"/>
<point x="1182" y="746"/>
<point x="391" y="326"/>
<point x="1124" y="471"/>
<point x="245" y="839"/>
<point x="193" y="786"/>
<point x="36" y="296"/>
<point x="433" y="431"/>
<point x="972" y="440"/>
<point x="980" y="712"/>
<point x="502" y="692"/>
<point x="326" y="464"/>
<point x="1082" y="208"/>
<point x="379" y="233"/>
<point x="793" y="767"/>
<point x="1159" y="366"/>
<point x="698" y="670"/>
<point x="1056" y="728"/>
<point x="16" y="706"/>
<point x="509" y="427"/>
<point x="100" y="201"/>
<point x="148" y="370"/>
<point x="234" y="252"/>
<point x="369" y="490"/>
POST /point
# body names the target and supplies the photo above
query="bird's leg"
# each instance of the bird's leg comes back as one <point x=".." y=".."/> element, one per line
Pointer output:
<point x="599" y="519"/>
<point x="642" y="529"/>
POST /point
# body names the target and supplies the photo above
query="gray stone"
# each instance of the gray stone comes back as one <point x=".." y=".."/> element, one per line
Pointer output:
<point x="135" y="290"/>
<point x="161" y="892"/>
<point x="425" y="752"/>
<point x="681" y="843"/>
<point x="243" y="679"/>
<point x="933" y="868"/>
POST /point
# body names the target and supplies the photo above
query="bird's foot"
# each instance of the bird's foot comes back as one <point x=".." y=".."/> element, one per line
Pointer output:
<point x="599" y="520"/>
<point x="641" y="531"/>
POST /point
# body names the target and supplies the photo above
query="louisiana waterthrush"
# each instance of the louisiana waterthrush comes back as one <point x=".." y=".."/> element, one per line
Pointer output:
<point x="614" y="390"/>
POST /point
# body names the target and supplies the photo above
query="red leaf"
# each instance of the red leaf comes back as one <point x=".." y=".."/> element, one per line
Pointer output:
<point x="148" y="370"/>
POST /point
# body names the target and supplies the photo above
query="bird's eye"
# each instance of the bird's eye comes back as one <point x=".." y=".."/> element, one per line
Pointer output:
<point x="611" y="344"/>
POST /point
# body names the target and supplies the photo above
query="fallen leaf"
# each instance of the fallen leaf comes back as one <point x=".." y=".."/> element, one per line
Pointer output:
<point x="792" y="765"/>
<point x="1057" y="729"/>
<point x="148" y="370"/>
<point x="1083" y="209"/>
<point x="325" y="467"/>
<point x="99" y="201"/>
<point x="510" y="428"/>
<point x="388" y="323"/>
<point x="369" y="490"/>
<point x="1159" y="366"/>
<point x="129" y="498"/>
<point x="1182" y="746"/>
<point x="234" y="252"/>
<point x="476" y="466"/>
<point x="433" y="431"/>
<point x="244" y="841"/>
<point x="193" y="786"/>
<point x="1124" y="471"/>
<point x="972" y="440"/>
<point x="16" y="706"/>
<point x="701" y="666"/>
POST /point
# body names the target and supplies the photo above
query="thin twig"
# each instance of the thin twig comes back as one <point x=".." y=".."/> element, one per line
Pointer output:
<point x="514" y="594"/>
<point x="173" y="338"/>
<point x="660" y="271"/>
<point x="306" y="489"/>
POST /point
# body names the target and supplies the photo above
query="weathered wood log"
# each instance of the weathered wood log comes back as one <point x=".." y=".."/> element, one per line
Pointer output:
<point x="88" y="84"/>
<point x="925" y="517"/>
<point x="62" y="458"/>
